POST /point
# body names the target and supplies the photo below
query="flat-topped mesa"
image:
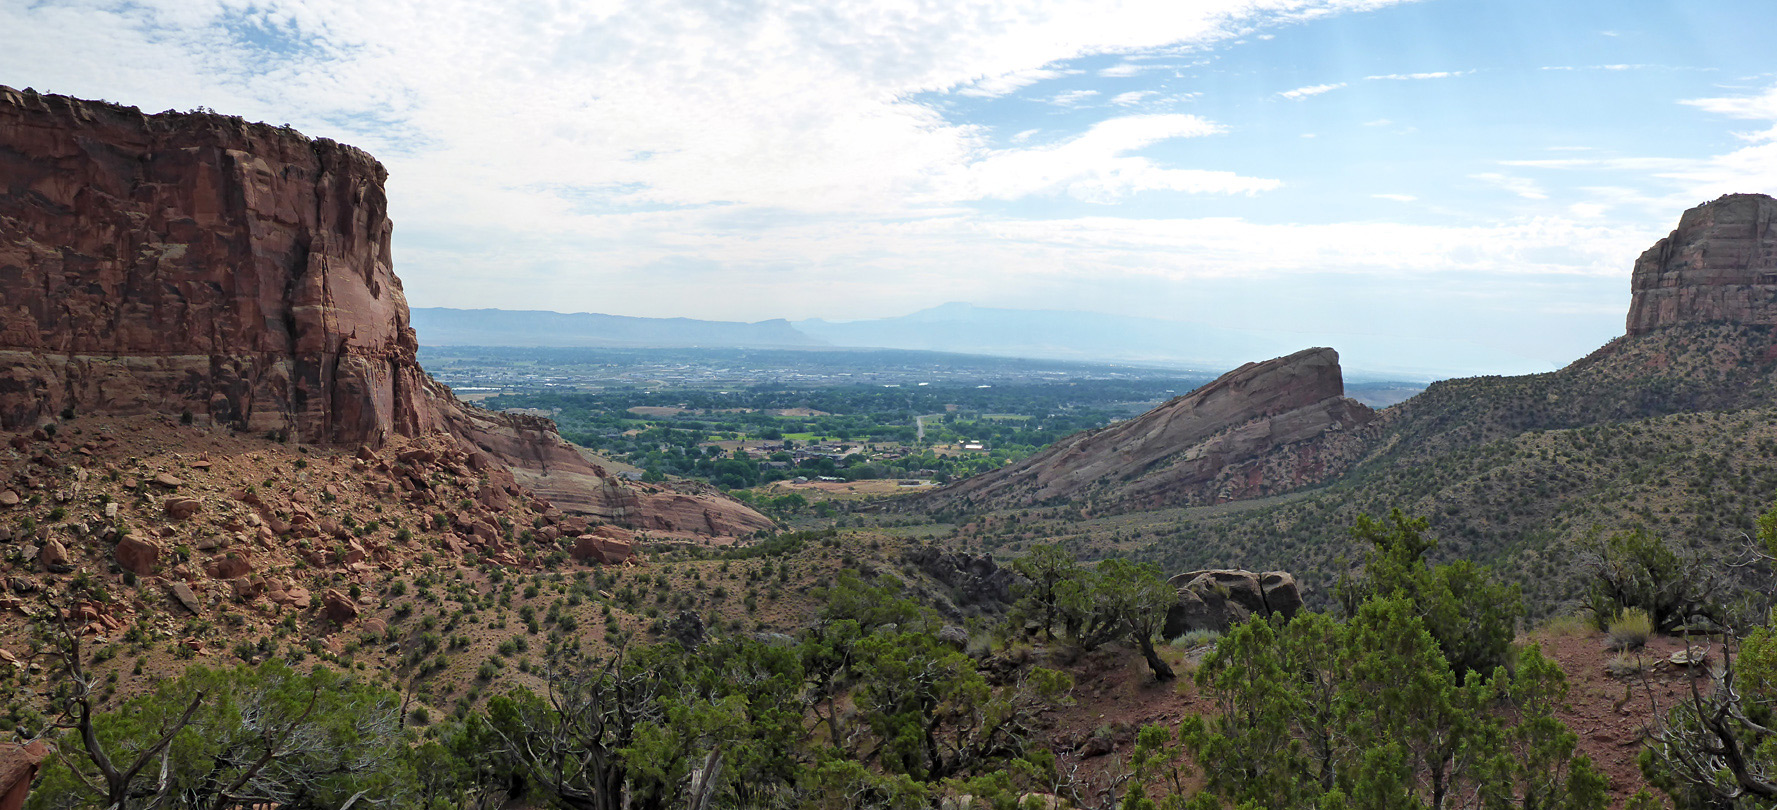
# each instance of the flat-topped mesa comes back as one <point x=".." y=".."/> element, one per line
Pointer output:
<point x="1719" y="265"/>
<point x="239" y="274"/>
<point x="197" y="263"/>
<point x="1224" y="440"/>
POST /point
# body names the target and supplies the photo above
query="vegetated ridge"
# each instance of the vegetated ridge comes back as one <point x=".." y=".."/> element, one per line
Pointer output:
<point x="1669" y="427"/>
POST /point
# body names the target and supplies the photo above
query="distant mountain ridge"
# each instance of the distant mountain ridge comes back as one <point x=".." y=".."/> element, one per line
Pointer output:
<point x="1074" y="335"/>
<point x="442" y="326"/>
<point x="961" y="328"/>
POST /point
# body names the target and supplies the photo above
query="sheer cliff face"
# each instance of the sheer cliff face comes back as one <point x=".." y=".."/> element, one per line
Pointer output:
<point x="1256" y="430"/>
<point x="196" y="263"/>
<point x="1719" y="265"/>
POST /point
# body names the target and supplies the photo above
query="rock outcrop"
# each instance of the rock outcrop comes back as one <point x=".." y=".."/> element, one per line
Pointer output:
<point x="974" y="579"/>
<point x="1246" y="434"/>
<point x="1218" y="599"/>
<point x="1720" y="264"/>
<point x="239" y="274"/>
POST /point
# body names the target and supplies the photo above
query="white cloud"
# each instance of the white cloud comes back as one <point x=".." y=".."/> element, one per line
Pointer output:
<point x="1072" y="98"/>
<point x="1749" y="169"/>
<point x="777" y="103"/>
<point x="1132" y="97"/>
<point x="1761" y="107"/>
<point x="1521" y="186"/>
<point x="1097" y="167"/>
<point x="796" y="152"/>
<point x="1311" y="90"/>
<point x="1443" y="74"/>
<point x="1008" y="83"/>
<point x="1380" y="122"/>
<point x="1627" y="164"/>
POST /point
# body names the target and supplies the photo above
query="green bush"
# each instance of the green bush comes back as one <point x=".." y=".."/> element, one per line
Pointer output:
<point x="1630" y="631"/>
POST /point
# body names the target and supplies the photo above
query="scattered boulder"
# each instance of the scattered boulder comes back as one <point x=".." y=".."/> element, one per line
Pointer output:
<point x="55" y="558"/>
<point x="18" y="767"/>
<point x="609" y="545"/>
<point x="1281" y="593"/>
<point x="247" y="589"/>
<point x="954" y="636"/>
<point x="230" y="567"/>
<point x="1689" y="657"/>
<point x="8" y="498"/>
<point x="138" y="556"/>
<point x="186" y="598"/>
<point x="975" y="579"/>
<point x="338" y="608"/>
<point x="1097" y="745"/>
<point x="1221" y="598"/>
<point x="182" y="508"/>
<point x="168" y="480"/>
<point x="289" y="594"/>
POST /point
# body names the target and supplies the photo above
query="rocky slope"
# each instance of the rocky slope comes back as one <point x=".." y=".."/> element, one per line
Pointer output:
<point x="1670" y="428"/>
<point x="239" y="274"/>
<point x="1261" y="428"/>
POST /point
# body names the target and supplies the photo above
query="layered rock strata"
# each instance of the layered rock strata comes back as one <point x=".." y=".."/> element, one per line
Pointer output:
<point x="1247" y="433"/>
<point x="1720" y="264"/>
<point x="239" y="274"/>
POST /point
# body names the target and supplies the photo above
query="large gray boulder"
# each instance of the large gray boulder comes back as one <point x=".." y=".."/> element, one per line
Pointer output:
<point x="1218" y="599"/>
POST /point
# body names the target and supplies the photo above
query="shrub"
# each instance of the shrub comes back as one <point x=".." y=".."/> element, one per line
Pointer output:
<point x="1639" y="570"/>
<point x="1630" y="630"/>
<point x="1196" y="638"/>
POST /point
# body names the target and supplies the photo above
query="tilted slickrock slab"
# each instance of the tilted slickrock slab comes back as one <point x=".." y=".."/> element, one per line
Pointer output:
<point x="199" y="265"/>
<point x="1216" y="443"/>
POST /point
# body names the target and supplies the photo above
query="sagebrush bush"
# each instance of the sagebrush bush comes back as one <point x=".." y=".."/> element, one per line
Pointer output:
<point x="1629" y="631"/>
<point x="1196" y="638"/>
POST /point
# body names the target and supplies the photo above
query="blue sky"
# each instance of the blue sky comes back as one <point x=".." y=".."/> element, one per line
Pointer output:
<point x="1379" y="173"/>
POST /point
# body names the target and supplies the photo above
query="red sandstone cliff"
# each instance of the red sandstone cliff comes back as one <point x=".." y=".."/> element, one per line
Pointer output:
<point x="1246" y="434"/>
<point x="1720" y="264"/>
<point x="193" y="263"/>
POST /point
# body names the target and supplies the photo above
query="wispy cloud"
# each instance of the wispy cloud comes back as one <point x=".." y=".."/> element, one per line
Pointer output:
<point x="996" y="86"/>
<point x="1072" y="98"/>
<point x="1521" y="186"/>
<point x="1760" y="107"/>
<point x="1311" y="90"/>
<point x="1127" y="69"/>
<point x="1442" y="74"/>
<point x="1097" y="166"/>
<point x="1132" y="97"/>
